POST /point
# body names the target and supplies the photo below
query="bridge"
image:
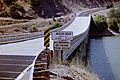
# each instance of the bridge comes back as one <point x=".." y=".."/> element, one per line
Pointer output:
<point x="20" y="57"/>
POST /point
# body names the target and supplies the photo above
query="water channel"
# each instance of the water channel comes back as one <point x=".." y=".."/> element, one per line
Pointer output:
<point x="104" y="57"/>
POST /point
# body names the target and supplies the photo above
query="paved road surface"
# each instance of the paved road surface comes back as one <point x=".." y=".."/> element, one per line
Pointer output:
<point x="12" y="65"/>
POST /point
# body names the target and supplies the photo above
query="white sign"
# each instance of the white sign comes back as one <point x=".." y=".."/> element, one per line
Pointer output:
<point x="61" y="45"/>
<point x="63" y="35"/>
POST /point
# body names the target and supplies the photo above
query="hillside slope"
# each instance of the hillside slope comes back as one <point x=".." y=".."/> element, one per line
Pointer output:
<point x="47" y="8"/>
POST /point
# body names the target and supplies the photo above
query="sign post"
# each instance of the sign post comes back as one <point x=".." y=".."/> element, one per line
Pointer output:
<point x="62" y="41"/>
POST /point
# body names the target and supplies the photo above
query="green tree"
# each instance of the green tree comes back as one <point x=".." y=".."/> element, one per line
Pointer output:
<point x="53" y="18"/>
<point x="114" y="13"/>
<point x="43" y="13"/>
<point x="9" y="2"/>
<point x="55" y="25"/>
<point x="101" y="23"/>
<point x="16" y="6"/>
<point x="34" y="2"/>
<point x="34" y="28"/>
<point x="113" y="24"/>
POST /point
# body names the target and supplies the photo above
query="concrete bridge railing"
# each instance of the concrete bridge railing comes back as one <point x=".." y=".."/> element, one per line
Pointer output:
<point x="77" y="40"/>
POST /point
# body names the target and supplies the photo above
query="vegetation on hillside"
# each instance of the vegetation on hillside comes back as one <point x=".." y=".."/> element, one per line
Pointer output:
<point x="55" y="25"/>
<point x="114" y="19"/>
<point x="35" y="8"/>
<point x="104" y="23"/>
<point x="113" y="24"/>
<point x="34" y="2"/>
<point x="46" y="8"/>
<point x="9" y="2"/>
<point x="101" y="23"/>
<point x="114" y="13"/>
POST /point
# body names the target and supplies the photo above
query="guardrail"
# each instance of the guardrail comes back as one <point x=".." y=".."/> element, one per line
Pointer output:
<point x="5" y="39"/>
<point x="90" y="11"/>
<point x="75" y="42"/>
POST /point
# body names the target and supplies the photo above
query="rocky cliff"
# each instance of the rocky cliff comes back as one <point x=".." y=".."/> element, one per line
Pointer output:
<point x="47" y="8"/>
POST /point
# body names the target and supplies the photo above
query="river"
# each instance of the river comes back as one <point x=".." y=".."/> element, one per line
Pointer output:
<point x="104" y="56"/>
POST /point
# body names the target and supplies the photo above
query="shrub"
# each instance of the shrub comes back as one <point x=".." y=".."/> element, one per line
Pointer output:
<point x="100" y="23"/>
<point x="43" y="13"/>
<point x="113" y="24"/>
<point x="2" y="31"/>
<point x="53" y="18"/>
<point x="16" y="6"/>
<point x="9" y="2"/>
<point x="34" y="28"/>
<point x="34" y="2"/>
<point x="114" y="13"/>
<point x="56" y="25"/>
<point x="12" y="8"/>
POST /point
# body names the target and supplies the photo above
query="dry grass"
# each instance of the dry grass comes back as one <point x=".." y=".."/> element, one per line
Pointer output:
<point x="85" y="74"/>
<point x="73" y="72"/>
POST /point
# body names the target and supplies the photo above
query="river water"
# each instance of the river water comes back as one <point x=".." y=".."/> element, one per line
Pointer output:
<point x="104" y="57"/>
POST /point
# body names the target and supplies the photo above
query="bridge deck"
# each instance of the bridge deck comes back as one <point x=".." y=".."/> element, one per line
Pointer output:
<point x="79" y="25"/>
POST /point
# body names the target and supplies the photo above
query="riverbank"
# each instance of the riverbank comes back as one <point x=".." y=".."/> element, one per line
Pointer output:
<point x="99" y="35"/>
<point x="107" y="33"/>
<point x="104" y="23"/>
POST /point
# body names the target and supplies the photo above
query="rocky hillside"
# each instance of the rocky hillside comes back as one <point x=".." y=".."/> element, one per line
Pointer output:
<point x="47" y="8"/>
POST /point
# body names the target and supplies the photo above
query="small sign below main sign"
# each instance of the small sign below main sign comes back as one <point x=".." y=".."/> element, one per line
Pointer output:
<point x="61" y="45"/>
<point x="62" y="35"/>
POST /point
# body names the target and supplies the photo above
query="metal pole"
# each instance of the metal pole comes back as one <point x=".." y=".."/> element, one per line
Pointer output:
<point x="61" y="56"/>
<point x="46" y="48"/>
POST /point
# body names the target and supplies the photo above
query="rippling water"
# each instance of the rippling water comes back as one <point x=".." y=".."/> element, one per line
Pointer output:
<point x="105" y="57"/>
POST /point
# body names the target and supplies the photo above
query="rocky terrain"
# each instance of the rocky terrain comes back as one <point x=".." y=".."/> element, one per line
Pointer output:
<point x="11" y="26"/>
<point x="47" y="8"/>
<point x="25" y="10"/>
<point x="62" y="72"/>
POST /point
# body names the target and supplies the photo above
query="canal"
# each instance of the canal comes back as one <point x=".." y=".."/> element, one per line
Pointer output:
<point x="104" y="57"/>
